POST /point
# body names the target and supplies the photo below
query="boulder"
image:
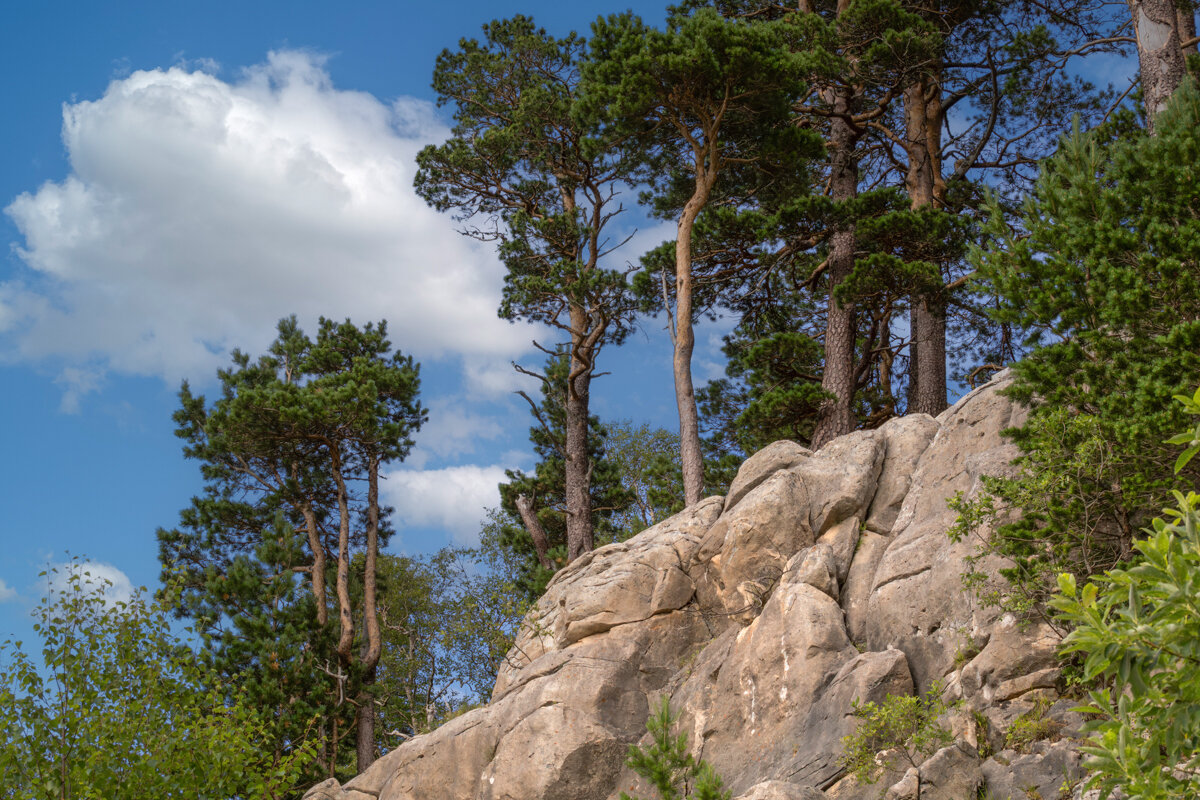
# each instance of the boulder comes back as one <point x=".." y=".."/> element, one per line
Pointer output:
<point x="745" y="551"/>
<point x="1042" y="772"/>
<point x="617" y="584"/>
<point x="762" y="465"/>
<point x="905" y="440"/>
<point x="952" y="773"/>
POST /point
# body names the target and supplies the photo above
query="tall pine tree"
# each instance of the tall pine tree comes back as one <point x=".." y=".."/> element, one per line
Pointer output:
<point x="291" y="455"/>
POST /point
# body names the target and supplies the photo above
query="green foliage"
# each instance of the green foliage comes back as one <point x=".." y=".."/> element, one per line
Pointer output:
<point x="121" y="707"/>
<point x="772" y="388"/>
<point x="1067" y="487"/>
<point x="523" y="151"/>
<point x="1139" y="630"/>
<point x="905" y="725"/>
<point x="290" y="453"/>
<point x="486" y="611"/>
<point x="1105" y="273"/>
<point x="1032" y="726"/>
<point x="638" y="451"/>
<point x="669" y="767"/>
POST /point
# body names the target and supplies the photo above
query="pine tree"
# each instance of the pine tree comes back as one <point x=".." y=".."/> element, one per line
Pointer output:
<point x="547" y="172"/>
<point x="1107" y="278"/>
<point x="284" y="452"/>
<point x="704" y="104"/>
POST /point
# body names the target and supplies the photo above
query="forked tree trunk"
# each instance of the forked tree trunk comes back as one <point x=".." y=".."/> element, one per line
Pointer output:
<point x="533" y="525"/>
<point x="923" y="180"/>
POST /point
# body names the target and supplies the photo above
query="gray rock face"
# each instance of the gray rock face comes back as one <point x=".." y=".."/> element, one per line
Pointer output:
<point x="778" y="790"/>
<point x="1042" y="772"/>
<point x="821" y="580"/>
<point x="917" y="602"/>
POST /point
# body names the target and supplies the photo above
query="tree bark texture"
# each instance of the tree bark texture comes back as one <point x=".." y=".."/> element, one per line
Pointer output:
<point x="690" y="456"/>
<point x="345" y="643"/>
<point x="926" y="187"/>
<point x="1186" y="27"/>
<point x="541" y="544"/>
<point x="318" y="565"/>
<point x="578" y="472"/>
<point x="929" y="330"/>
<point x="365" y="719"/>
<point x="373" y="646"/>
<point x="1160" y="53"/>
<point x="835" y="417"/>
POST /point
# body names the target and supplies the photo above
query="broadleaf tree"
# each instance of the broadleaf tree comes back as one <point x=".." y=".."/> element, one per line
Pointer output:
<point x="119" y="706"/>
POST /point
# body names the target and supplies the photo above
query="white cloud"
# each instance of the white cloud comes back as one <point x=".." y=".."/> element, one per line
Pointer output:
<point x="452" y="431"/>
<point x="94" y="576"/>
<point x="6" y="591"/>
<point x="77" y="383"/>
<point x="454" y="499"/>
<point x="494" y="377"/>
<point x="198" y="212"/>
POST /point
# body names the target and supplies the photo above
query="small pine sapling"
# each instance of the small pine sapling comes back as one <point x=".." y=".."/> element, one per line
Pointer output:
<point x="667" y="765"/>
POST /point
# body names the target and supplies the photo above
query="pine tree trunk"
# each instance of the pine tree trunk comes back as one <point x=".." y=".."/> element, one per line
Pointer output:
<point x="690" y="456"/>
<point x="533" y="525"/>
<point x="318" y="565"/>
<point x="345" y="642"/>
<point x="365" y="732"/>
<point x="373" y="646"/>
<point x="578" y="461"/>
<point x="929" y="329"/>
<point x="835" y="417"/>
<point x="927" y="317"/>
<point x="1160" y="54"/>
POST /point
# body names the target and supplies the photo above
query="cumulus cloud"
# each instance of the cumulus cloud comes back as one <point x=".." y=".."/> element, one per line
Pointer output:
<point x="453" y="499"/>
<point x="94" y="576"/>
<point x="199" y="211"/>
<point x="6" y="591"/>
<point x="452" y="431"/>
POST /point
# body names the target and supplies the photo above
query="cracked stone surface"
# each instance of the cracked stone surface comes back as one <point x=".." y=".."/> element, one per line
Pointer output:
<point x="821" y="580"/>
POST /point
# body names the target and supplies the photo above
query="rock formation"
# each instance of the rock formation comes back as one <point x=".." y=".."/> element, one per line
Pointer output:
<point x="820" y="579"/>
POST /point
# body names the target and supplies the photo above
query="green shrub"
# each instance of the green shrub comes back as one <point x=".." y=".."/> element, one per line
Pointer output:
<point x="1032" y="726"/>
<point x="1138" y="629"/>
<point x="120" y="708"/>
<point x="905" y="724"/>
<point x="1103" y="272"/>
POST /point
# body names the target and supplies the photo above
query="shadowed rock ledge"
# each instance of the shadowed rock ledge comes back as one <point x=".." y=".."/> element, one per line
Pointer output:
<point x="822" y="578"/>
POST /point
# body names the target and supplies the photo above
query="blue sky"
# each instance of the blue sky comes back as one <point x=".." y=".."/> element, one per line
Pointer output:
<point x="174" y="178"/>
<point x="177" y="177"/>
